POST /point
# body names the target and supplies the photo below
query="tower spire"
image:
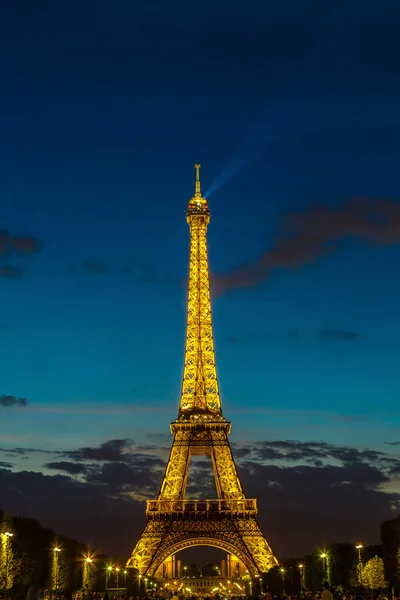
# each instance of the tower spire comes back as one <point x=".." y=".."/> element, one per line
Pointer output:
<point x="197" y="167"/>
<point x="200" y="392"/>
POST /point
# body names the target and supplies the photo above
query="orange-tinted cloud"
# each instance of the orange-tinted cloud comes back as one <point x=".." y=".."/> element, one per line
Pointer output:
<point x="309" y="236"/>
<point x="23" y="245"/>
<point x="9" y="271"/>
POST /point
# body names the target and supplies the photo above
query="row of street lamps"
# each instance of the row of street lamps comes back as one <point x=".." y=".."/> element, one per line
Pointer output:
<point x="325" y="564"/>
<point x="117" y="570"/>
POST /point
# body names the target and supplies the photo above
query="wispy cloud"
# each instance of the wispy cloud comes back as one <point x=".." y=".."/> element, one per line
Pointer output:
<point x="309" y="236"/>
<point x="338" y="335"/>
<point x="7" y="400"/>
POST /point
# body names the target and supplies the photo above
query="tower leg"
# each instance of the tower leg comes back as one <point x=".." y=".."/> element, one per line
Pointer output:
<point x="174" y="483"/>
<point x="226" y="476"/>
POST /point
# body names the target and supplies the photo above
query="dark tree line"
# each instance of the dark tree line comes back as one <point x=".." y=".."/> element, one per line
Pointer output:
<point x="30" y="558"/>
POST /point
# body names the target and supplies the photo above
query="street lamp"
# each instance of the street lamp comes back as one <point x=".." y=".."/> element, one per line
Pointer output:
<point x="325" y="564"/>
<point x="301" y="569"/>
<point x="56" y="551"/>
<point x="282" y="571"/>
<point x="359" y="547"/>
<point x="117" y="571"/>
<point x="108" y="573"/>
<point x="7" y="535"/>
<point x="125" y="572"/>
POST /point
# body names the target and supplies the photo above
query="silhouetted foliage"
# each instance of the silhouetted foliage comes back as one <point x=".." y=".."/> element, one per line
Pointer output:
<point x="390" y="536"/>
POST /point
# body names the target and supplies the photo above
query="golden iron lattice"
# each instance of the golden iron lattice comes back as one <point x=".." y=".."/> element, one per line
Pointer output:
<point x="228" y="522"/>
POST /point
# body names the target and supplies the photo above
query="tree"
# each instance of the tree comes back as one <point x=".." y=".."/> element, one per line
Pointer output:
<point x="390" y="535"/>
<point x="373" y="574"/>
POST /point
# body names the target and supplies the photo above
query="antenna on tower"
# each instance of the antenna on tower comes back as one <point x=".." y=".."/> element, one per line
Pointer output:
<point x="197" y="167"/>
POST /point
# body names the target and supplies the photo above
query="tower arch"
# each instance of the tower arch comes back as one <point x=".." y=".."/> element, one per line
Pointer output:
<point x="212" y="541"/>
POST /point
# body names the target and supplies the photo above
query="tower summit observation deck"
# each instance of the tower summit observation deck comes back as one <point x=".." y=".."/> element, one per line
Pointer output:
<point x="173" y="522"/>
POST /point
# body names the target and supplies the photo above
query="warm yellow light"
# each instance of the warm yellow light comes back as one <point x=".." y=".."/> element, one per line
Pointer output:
<point x="8" y="534"/>
<point x="56" y="549"/>
<point x="282" y="570"/>
<point x="125" y="572"/>
<point x="88" y="559"/>
<point x="359" y="546"/>
<point x="324" y="555"/>
<point x="117" y="569"/>
<point x="301" y="566"/>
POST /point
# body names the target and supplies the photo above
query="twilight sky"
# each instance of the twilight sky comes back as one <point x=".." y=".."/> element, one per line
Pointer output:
<point x="292" y="109"/>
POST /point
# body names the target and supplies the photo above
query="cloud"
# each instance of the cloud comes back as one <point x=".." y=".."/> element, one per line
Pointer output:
<point x="338" y="335"/>
<point x="22" y="245"/>
<point x="96" y="267"/>
<point x="68" y="467"/>
<point x="15" y="246"/>
<point x="297" y="485"/>
<point x="5" y="465"/>
<point x="12" y="401"/>
<point x="307" y="237"/>
<point x="10" y="272"/>
<point x="113" y="450"/>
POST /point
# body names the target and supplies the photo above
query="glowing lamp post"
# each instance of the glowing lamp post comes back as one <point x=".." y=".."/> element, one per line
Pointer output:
<point x="86" y="572"/>
<point x="301" y="569"/>
<point x="117" y="571"/>
<point x="325" y="565"/>
<point x="56" y="551"/>
<point x="125" y="572"/>
<point x="282" y="571"/>
<point x="359" y="547"/>
<point x="7" y="535"/>
<point x="108" y="573"/>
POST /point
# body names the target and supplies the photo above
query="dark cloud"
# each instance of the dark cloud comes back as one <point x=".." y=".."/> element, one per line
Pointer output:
<point x="96" y="267"/>
<point x="338" y="335"/>
<point x="307" y="237"/>
<point x="322" y="504"/>
<point x="17" y="245"/>
<point x="67" y="467"/>
<point x="6" y="400"/>
<point x="141" y="475"/>
<point x="5" y="465"/>
<point x="10" y="272"/>
<point x="26" y="451"/>
<point x="317" y="453"/>
<point x="324" y="492"/>
<point x="113" y="450"/>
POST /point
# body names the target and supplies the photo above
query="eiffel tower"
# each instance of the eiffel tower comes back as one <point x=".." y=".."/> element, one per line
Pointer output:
<point x="229" y="522"/>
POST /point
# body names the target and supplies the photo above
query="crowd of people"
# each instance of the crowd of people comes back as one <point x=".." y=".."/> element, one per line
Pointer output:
<point x="327" y="593"/>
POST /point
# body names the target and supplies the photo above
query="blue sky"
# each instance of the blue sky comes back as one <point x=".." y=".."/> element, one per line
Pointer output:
<point x="104" y="109"/>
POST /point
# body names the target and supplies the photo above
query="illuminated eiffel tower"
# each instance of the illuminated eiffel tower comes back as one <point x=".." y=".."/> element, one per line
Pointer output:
<point x="229" y="522"/>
